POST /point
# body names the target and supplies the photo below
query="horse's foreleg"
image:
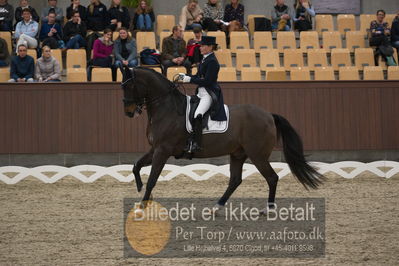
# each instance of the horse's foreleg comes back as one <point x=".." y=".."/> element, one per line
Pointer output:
<point x="158" y="162"/>
<point x="143" y="161"/>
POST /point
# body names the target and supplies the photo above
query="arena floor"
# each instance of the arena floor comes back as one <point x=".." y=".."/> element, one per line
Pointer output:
<point x="70" y="222"/>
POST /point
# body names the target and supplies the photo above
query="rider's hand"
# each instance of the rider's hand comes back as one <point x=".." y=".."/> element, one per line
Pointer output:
<point x="184" y="78"/>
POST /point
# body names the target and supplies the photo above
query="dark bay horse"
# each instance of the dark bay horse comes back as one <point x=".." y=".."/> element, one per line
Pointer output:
<point x="252" y="134"/>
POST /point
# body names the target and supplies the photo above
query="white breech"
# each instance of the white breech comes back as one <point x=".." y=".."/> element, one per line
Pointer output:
<point x="27" y="40"/>
<point x="205" y="102"/>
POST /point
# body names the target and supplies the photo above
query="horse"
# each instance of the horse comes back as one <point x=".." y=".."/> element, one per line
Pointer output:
<point x="252" y="133"/>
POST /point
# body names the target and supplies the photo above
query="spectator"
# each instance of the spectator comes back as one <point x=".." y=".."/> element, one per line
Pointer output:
<point x="174" y="50"/>
<point x="395" y="34"/>
<point x="22" y="66"/>
<point x="47" y="67"/>
<point x="102" y="52"/>
<point x="4" y="54"/>
<point x="193" y="45"/>
<point x="143" y="18"/>
<point x="26" y="30"/>
<point x="52" y="7"/>
<point x="281" y="16"/>
<point x="97" y="16"/>
<point x="119" y="15"/>
<point x="51" y="33"/>
<point x="74" y="32"/>
<point x="6" y="15"/>
<point x="191" y="15"/>
<point x="76" y="6"/>
<point x="23" y="4"/>
<point x="213" y="15"/>
<point x="125" y="50"/>
<point x="303" y="15"/>
<point x="234" y="16"/>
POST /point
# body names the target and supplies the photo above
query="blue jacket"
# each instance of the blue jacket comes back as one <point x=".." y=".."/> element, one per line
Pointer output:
<point x="46" y="29"/>
<point x="31" y="28"/>
<point x="22" y="67"/>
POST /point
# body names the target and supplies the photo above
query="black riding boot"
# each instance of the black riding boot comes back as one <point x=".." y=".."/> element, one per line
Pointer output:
<point x="194" y="144"/>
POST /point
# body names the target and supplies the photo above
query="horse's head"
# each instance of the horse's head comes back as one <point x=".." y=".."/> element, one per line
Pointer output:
<point x="131" y="100"/>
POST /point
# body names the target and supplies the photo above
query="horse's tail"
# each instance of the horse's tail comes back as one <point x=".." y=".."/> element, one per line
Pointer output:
<point x="293" y="153"/>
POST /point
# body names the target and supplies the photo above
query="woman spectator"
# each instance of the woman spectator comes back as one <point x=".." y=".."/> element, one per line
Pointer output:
<point x="193" y="45"/>
<point x="119" y="15"/>
<point x="47" y="67"/>
<point x="97" y="16"/>
<point x="281" y="17"/>
<point x="76" y="6"/>
<point x="234" y="15"/>
<point x="102" y="52"/>
<point x="303" y="15"/>
<point x="24" y="4"/>
<point x="395" y="34"/>
<point x="4" y="54"/>
<point x="125" y="50"/>
<point x="144" y="17"/>
<point x="191" y="16"/>
<point x="213" y="15"/>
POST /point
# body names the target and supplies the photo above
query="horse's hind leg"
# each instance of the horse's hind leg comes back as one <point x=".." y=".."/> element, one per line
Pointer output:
<point x="236" y="162"/>
<point x="143" y="161"/>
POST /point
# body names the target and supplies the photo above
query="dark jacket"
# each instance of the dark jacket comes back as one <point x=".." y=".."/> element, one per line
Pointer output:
<point x="395" y="30"/>
<point x="207" y="77"/>
<point x="18" y="14"/>
<point x="22" y="67"/>
<point x="230" y="13"/>
<point x="121" y="14"/>
<point x="99" y="19"/>
<point x="7" y="13"/>
<point x="81" y="9"/>
<point x="168" y="48"/>
<point x="4" y="54"/>
<point x="130" y="46"/>
<point x="46" y="29"/>
<point x="71" y="29"/>
<point x="136" y="16"/>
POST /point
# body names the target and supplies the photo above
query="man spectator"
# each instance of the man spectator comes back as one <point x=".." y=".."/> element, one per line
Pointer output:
<point x="6" y="15"/>
<point x="76" y="6"/>
<point x="26" y="30"/>
<point x="52" y="7"/>
<point x="74" y="32"/>
<point x="18" y="12"/>
<point x="22" y="66"/>
<point x="51" y="32"/>
<point x="174" y="51"/>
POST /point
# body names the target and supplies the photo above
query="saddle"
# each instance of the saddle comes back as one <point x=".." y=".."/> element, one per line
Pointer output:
<point x="194" y="102"/>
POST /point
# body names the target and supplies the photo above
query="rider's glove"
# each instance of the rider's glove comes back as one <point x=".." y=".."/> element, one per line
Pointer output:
<point x="184" y="78"/>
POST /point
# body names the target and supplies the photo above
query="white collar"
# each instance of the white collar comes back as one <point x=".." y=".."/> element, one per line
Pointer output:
<point x="205" y="56"/>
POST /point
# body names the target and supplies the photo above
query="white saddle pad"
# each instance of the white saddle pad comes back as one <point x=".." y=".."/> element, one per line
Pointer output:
<point x="213" y="126"/>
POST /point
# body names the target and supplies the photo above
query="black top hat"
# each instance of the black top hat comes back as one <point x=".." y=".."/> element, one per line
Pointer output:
<point x="208" y="40"/>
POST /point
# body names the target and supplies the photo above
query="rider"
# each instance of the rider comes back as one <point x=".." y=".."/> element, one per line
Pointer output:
<point x="206" y="79"/>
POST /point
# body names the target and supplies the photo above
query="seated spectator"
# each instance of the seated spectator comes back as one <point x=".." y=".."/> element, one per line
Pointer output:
<point x="303" y="15"/>
<point x="193" y="45"/>
<point x="281" y="16"/>
<point x="75" y="32"/>
<point x="213" y="16"/>
<point x="191" y="15"/>
<point x="6" y="15"/>
<point x="118" y="15"/>
<point x="125" y="50"/>
<point x="47" y="67"/>
<point x="18" y="12"/>
<point x="97" y="16"/>
<point x="395" y="34"/>
<point x="174" y="51"/>
<point x="234" y="16"/>
<point x="51" y="33"/>
<point x="144" y="17"/>
<point x="22" y="66"/>
<point x="380" y="32"/>
<point x="26" y="30"/>
<point x="52" y="7"/>
<point x="102" y="53"/>
<point x="4" y="54"/>
<point x="76" y="6"/>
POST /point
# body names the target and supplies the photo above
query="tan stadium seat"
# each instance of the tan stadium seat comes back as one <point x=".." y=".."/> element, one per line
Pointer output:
<point x="33" y="53"/>
<point x="162" y="36"/>
<point x="309" y="40"/>
<point x="317" y="58"/>
<point x="76" y="75"/>
<point x="293" y="58"/>
<point x="324" y="23"/>
<point x="355" y="39"/>
<point x="6" y="35"/>
<point x="224" y="57"/>
<point x="300" y="73"/>
<point x="245" y="58"/>
<point x="365" y="20"/>
<point x="373" y="73"/>
<point x="262" y="40"/>
<point x="239" y="40"/>
<point x="76" y="58"/>
<point x="227" y="74"/>
<point x="173" y="71"/>
<point x="346" y="22"/>
<point x="364" y="57"/>
<point x="100" y="74"/>
<point x="220" y="38"/>
<point x="165" y="23"/>
<point x="324" y="73"/>
<point x="250" y="74"/>
<point x="145" y="40"/>
<point x="285" y="40"/>
<point x="276" y="74"/>
<point x="251" y="22"/>
<point x="4" y="74"/>
<point x="348" y="73"/>
<point x="331" y="40"/>
<point x="269" y="59"/>
<point x="393" y="72"/>
<point x="57" y="54"/>
<point x="340" y="57"/>
<point x="188" y="35"/>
